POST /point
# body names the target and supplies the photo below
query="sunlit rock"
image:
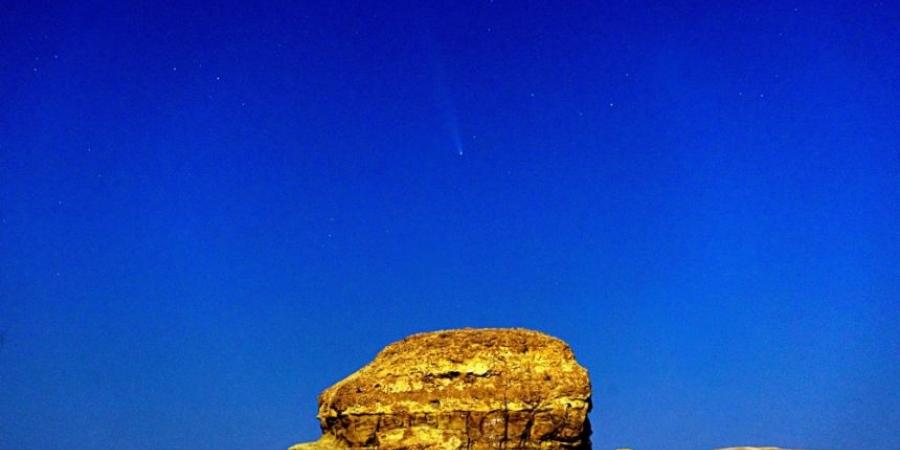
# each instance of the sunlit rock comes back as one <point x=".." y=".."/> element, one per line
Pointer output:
<point x="461" y="389"/>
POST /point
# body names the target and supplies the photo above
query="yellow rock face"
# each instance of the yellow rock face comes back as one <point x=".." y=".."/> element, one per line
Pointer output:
<point x="461" y="389"/>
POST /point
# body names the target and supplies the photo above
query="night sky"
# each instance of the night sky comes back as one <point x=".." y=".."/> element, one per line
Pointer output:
<point x="211" y="212"/>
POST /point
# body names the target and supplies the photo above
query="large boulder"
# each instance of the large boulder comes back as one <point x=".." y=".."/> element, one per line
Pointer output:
<point x="461" y="389"/>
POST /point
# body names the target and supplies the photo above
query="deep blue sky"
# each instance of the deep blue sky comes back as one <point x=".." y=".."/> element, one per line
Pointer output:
<point x="212" y="212"/>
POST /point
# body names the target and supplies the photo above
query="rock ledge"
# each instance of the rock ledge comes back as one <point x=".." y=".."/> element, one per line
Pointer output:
<point x="473" y="389"/>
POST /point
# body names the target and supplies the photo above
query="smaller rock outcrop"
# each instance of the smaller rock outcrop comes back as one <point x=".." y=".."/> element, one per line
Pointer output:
<point x="468" y="389"/>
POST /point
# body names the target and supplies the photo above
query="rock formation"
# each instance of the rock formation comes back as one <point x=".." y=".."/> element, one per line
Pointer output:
<point x="461" y="389"/>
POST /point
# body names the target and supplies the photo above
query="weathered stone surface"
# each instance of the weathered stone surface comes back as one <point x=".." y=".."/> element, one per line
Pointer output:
<point x="461" y="389"/>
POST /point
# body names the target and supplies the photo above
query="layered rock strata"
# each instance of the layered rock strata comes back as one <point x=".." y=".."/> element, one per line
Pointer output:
<point x="462" y="389"/>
